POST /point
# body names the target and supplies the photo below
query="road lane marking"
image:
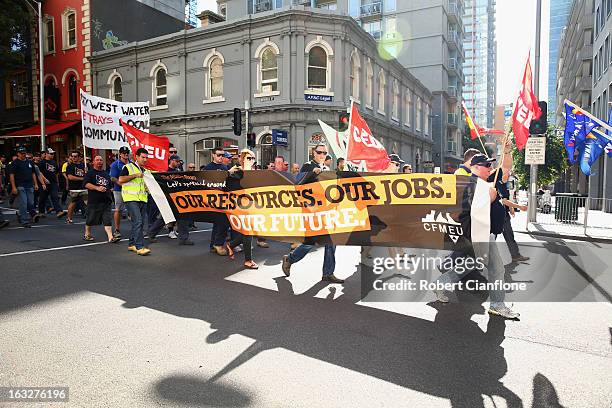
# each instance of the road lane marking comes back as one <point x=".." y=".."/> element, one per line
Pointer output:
<point x="35" y="251"/>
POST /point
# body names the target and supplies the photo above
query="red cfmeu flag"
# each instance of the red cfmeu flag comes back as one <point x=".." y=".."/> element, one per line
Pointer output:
<point x="526" y="109"/>
<point x="157" y="147"/>
<point x="363" y="146"/>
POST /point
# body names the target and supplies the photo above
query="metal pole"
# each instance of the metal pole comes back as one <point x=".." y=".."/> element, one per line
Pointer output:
<point x="532" y="209"/>
<point x="41" y="85"/>
<point x="246" y="120"/>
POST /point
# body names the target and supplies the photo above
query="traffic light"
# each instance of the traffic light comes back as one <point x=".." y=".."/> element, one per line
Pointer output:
<point x="343" y="121"/>
<point x="251" y="140"/>
<point x="539" y="126"/>
<point x="237" y="122"/>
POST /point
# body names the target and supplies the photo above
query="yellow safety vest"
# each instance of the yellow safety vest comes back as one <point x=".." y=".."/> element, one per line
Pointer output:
<point x="134" y="190"/>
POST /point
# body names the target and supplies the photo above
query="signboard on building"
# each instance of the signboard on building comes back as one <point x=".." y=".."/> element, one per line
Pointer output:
<point x="318" y="98"/>
<point x="535" y="151"/>
<point x="428" y="165"/>
<point x="280" y="137"/>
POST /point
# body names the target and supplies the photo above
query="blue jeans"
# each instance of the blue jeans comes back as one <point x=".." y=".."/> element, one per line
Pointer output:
<point x="137" y="211"/>
<point x="50" y="192"/>
<point x="329" y="257"/>
<point x="26" y="204"/>
<point x="495" y="271"/>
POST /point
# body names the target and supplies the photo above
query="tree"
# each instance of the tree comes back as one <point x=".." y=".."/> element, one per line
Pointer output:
<point x="556" y="161"/>
<point x="15" y="20"/>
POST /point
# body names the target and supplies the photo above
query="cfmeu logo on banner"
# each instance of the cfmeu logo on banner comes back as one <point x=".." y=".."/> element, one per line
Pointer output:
<point x="442" y="223"/>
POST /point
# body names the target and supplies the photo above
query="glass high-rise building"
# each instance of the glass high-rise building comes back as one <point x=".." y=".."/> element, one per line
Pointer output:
<point x="480" y="62"/>
<point x="559" y="12"/>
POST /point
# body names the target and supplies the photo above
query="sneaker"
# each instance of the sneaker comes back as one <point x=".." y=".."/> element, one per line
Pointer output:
<point x="26" y="225"/>
<point x="441" y="297"/>
<point x="61" y="214"/>
<point x="117" y="234"/>
<point x="332" y="279"/>
<point x="143" y="251"/>
<point x="262" y="244"/>
<point x="185" y="242"/>
<point x="173" y="235"/>
<point x="239" y="248"/>
<point x="220" y="250"/>
<point x="520" y="258"/>
<point x="4" y="223"/>
<point x="132" y="248"/>
<point x="286" y="265"/>
<point x="68" y="221"/>
<point x="36" y="218"/>
<point x="503" y="311"/>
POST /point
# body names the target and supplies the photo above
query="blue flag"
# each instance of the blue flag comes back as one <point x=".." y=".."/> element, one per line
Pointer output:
<point x="577" y="127"/>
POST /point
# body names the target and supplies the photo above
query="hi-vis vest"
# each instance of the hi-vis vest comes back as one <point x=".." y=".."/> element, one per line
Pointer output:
<point x="134" y="190"/>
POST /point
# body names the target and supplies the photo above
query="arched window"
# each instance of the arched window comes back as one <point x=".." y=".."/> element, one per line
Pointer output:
<point x="382" y="83"/>
<point x="396" y="101"/>
<point x="72" y="92"/>
<point x="269" y="71"/>
<point x="160" y="95"/>
<point x="215" y="78"/>
<point x="317" y="68"/>
<point x="355" y="67"/>
<point x="369" y="88"/>
<point x="117" y="93"/>
<point x="418" y="114"/>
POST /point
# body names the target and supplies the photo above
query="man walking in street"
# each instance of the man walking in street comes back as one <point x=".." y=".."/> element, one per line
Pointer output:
<point x="75" y="173"/>
<point x="115" y="171"/>
<point x="24" y="183"/>
<point x="309" y="173"/>
<point x="135" y="195"/>
<point x="481" y="167"/>
<point x="98" y="182"/>
<point x="181" y="226"/>
<point x="48" y="167"/>
<point x="220" y="225"/>
<point x="465" y="168"/>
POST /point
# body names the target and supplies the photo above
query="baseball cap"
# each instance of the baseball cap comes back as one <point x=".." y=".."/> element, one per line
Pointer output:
<point x="124" y="149"/>
<point x="175" y="157"/>
<point x="395" y="158"/>
<point x="227" y="155"/>
<point x="481" y="159"/>
<point x="50" y="150"/>
<point x="21" y="149"/>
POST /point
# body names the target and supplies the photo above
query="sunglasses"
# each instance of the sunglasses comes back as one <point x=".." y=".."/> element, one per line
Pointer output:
<point x="219" y="154"/>
<point x="191" y="167"/>
<point x="173" y="151"/>
<point x="488" y="165"/>
<point x="318" y="152"/>
<point x="250" y="158"/>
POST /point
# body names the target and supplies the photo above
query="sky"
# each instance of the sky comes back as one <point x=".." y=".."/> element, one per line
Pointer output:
<point x="515" y="32"/>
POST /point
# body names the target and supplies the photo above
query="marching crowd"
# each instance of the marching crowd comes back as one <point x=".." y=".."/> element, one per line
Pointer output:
<point x="39" y="187"/>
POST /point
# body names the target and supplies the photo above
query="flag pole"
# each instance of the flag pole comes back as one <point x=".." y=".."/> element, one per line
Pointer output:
<point x="503" y="155"/>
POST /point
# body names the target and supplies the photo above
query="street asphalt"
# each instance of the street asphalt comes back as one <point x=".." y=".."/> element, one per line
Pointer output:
<point x="186" y="328"/>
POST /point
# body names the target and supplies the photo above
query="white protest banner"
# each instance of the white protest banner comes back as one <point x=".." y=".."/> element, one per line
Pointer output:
<point x="535" y="152"/>
<point x="100" y="119"/>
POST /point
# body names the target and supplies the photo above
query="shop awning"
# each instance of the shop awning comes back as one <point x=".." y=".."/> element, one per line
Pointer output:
<point x="50" y="129"/>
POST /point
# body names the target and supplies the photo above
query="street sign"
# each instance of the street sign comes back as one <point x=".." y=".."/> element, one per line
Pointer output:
<point x="280" y="137"/>
<point x="535" y="151"/>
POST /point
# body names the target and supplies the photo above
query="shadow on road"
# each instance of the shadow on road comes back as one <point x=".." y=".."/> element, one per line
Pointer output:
<point x="450" y="358"/>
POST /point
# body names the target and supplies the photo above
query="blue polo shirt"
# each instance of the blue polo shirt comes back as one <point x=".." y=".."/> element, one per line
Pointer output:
<point x="115" y="171"/>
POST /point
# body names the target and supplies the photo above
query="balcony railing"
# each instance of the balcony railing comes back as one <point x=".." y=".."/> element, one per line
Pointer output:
<point x="261" y="6"/>
<point x="453" y="9"/>
<point x="452" y="119"/>
<point x="452" y="91"/>
<point x="371" y="9"/>
<point x="452" y="63"/>
<point x="453" y="36"/>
